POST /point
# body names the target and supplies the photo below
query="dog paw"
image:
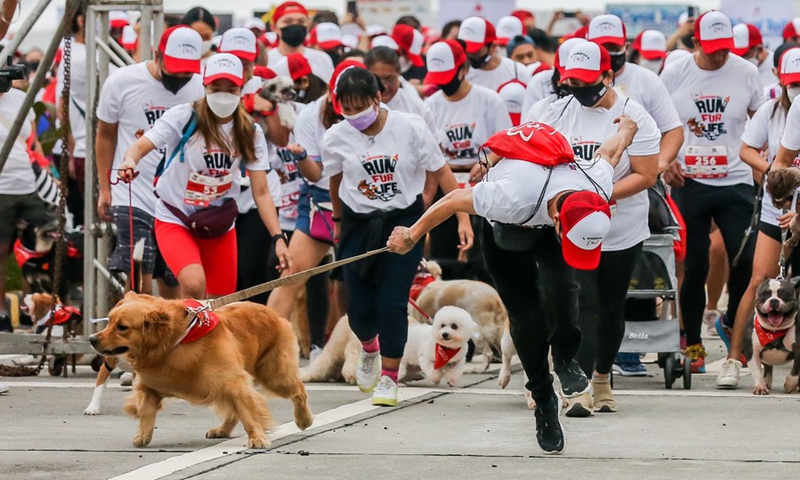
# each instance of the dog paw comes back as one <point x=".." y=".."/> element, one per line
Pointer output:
<point x="304" y="419"/>
<point x="505" y="378"/>
<point x="142" y="439"/>
<point x="261" y="442"/>
<point x="792" y="384"/>
<point x="92" y="410"/>
<point x="218" y="433"/>
<point x="761" y="390"/>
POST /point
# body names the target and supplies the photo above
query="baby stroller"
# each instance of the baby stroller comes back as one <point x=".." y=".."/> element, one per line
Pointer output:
<point x="654" y="326"/>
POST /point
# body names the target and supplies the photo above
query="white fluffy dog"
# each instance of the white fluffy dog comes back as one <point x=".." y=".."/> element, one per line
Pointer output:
<point x="439" y="350"/>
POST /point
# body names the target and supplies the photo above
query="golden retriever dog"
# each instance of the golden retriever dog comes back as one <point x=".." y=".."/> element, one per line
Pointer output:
<point x="250" y="346"/>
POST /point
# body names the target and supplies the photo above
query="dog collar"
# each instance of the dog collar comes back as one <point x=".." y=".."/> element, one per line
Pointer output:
<point x="202" y="322"/>
<point x="765" y="337"/>
<point x="444" y="355"/>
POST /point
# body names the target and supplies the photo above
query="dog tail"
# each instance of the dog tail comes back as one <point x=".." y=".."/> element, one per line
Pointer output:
<point x="137" y="274"/>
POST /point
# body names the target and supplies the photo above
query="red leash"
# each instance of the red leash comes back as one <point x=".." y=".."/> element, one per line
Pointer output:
<point x="421" y="311"/>
<point x="130" y="220"/>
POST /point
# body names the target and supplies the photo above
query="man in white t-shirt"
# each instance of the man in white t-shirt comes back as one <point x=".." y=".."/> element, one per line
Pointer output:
<point x="487" y="67"/>
<point x="290" y="21"/>
<point x="541" y="85"/>
<point x="749" y="44"/>
<point x="131" y="101"/>
<point x="715" y="93"/>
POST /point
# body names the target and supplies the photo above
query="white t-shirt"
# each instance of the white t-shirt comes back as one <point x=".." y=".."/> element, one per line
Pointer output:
<point x="644" y="86"/>
<point x="539" y="87"/>
<point x="384" y="172"/>
<point x="134" y="100"/>
<point x="766" y="128"/>
<point x="17" y="177"/>
<point x="493" y="79"/>
<point x="550" y="102"/>
<point x="512" y="189"/>
<point x="310" y="134"/>
<point x="587" y="129"/>
<point x="713" y="107"/>
<point x="408" y="100"/>
<point x="320" y="62"/>
<point x="463" y="126"/>
<point x="208" y="176"/>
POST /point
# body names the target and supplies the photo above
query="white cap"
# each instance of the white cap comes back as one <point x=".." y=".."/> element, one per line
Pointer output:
<point x="476" y="32"/>
<point x="683" y="18"/>
<point x="181" y="48"/>
<point x="375" y="30"/>
<point x="329" y="35"/>
<point x="384" y="41"/>
<point x="350" y="41"/>
<point x="652" y="44"/>
<point x="240" y="42"/>
<point x="255" y="22"/>
<point x="714" y="32"/>
<point x="790" y="66"/>
<point x="513" y="93"/>
<point x="590" y="231"/>
<point x="508" y="28"/>
<point x="607" y="28"/>
<point x="129" y="37"/>
<point x="224" y="65"/>
<point x="565" y="48"/>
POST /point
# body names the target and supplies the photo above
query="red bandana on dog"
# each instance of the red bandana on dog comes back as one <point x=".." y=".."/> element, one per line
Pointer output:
<point x="765" y="337"/>
<point x="444" y="355"/>
<point x="203" y="322"/>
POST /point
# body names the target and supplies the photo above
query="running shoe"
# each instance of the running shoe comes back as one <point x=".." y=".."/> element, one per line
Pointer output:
<point x="629" y="365"/>
<point x="385" y="394"/>
<point x="710" y="320"/>
<point x="728" y="377"/>
<point x="368" y="371"/>
<point x="573" y="381"/>
<point x="696" y="354"/>
<point x="549" y="431"/>
<point x="723" y="331"/>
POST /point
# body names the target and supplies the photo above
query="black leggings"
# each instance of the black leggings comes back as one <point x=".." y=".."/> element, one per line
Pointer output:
<point x="602" y="305"/>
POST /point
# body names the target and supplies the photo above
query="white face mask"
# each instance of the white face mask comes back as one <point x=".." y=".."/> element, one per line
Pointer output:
<point x="223" y="104"/>
<point x="652" y="65"/>
<point x="793" y="92"/>
<point x="207" y="46"/>
<point x="754" y="61"/>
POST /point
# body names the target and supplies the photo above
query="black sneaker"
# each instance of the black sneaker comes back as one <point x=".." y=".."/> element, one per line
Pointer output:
<point x="549" y="432"/>
<point x="573" y="381"/>
<point x="5" y="323"/>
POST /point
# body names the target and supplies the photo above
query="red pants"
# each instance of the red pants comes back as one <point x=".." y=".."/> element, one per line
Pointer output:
<point x="218" y="256"/>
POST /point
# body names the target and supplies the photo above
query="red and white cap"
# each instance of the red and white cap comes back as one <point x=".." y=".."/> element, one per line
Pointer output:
<point x="513" y="93"/>
<point x="562" y="54"/>
<point x="293" y="66"/>
<point x="269" y="39"/>
<point x="789" y="67"/>
<point x="476" y="32"/>
<point x="523" y="15"/>
<point x="385" y="41"/>
<point x="792" y="29"/>
<point x="129" y="38"/>
<point x="508" y="28"/>
<point x="286" y="8"/>
<point x="224" y="66"/>
<point x="255" y="22"/>
<point x="745" y="37"/>
<point x="410" y="41"/>
<point x="586" y="62"/>
<point x="651" y="45"/>
<point x="375" y="30"/>
<point x="344" y="66"/>
<point x="607" y="28"/>
<point x="674" y="56"/>
<point x="118" y="19"/>
<point x="585" y="221"/>
<point x="443" y="61"/>
<point x="181" y="49"/>
<point x="328" y="35"/>
<point x="714" y="32"/>
<point x="350" y="41"/>
<point x="240" y="42"/>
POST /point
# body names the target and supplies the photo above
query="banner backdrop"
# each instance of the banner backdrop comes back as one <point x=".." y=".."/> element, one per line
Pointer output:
<point x="643" y="16"/>
<point x="770" y="16"/>
<point x="492" y="10"/>
<point x="386" y="12"/>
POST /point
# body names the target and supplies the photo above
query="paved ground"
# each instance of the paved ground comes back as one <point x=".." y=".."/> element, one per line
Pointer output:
<point x="476" y="431"/>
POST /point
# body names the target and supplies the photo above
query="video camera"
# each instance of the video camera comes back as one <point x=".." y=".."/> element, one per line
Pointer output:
<point x="10" y="73"/>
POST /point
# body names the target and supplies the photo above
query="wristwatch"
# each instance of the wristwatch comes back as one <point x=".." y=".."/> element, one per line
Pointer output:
<point x="280" y="236"/>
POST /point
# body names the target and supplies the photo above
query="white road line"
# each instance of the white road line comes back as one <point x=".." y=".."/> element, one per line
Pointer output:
<point x="171" y="465"/>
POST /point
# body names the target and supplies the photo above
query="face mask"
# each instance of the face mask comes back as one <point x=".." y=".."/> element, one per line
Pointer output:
<point x="589" y="96"/>
<point x="335" y="55"/>
<point x="479" y="62"/>
<point x="754" y="61"/>
<point x="207" y="46"/>
<point x="793" y="92"/>
<point x="450" y="89"/>
<point x="223" y="104"/>
<point x="173" y="83"/>
<point x="617" y="61"/>
<point x="652" y="65"/>
<point x="294" y="35"/>
<point x="364" y="119"/>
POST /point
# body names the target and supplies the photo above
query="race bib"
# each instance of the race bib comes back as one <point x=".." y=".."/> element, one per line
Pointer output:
<point x="706" y="161"/>
<point x="201" y="190"/>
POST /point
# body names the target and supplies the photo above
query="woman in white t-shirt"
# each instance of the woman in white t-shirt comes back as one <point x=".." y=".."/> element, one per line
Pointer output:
<point x="208" y="141"/>
<point x="587" y="119"/>
<point x="378" y="160"/>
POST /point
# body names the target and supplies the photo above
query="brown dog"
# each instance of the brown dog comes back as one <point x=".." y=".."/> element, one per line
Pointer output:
<point x="781" y="185"/>
<point x="250" y="344"/>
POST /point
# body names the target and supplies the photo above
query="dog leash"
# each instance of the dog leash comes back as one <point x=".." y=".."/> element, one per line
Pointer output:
<point x="130" y="218"/>
<point x="420" y="310"/>
<point x="753" y="221"/>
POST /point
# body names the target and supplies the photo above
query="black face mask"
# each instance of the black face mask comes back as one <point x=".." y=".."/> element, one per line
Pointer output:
<point x="617" y="61"/>
<point x="173" y="83"/>
<point x="336" y="56"/>
<point x="479" y="62"/>
<point x="32" y="66"/>
<point x="589" y="96"/>
<point x="294" y="35"/>
<point x="449" y="89"/>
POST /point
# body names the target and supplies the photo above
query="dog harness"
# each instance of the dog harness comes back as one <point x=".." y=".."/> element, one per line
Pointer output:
<point x="202" y="324"/>
<point x="766" y="337"/>
<point x="421" y="280"/>
<point x="63" y="314"/>
<point x="444" y="355"/>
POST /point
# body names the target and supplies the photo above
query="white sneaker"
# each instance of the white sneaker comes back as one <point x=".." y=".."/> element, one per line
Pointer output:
<point x="710" y="320"/>
<point x="315" y="351"/>
<point x="3" y="388"/>
<point x="126" y="380"/>
<point x="368" y="371"/>
<point x="385" y="393"/>
<point x="729" y="375"/>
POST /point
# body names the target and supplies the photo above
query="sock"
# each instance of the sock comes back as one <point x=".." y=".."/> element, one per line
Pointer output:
<point x="390" y="372"/>
<point x="601" y="379"/>
<point x="371" y="346"/>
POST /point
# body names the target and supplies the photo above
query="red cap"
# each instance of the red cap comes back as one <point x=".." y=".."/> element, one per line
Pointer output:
<point x="532" y="142"/>
<point x="410" y="40"/>
<point x="651" y="45"/>
<point x="522" y="15"/>
<point x="224" y="65"/>
<point x="443" y="61"/>
<point x="745" y="37"/>
<point x="346" y="64"/>
<point x="586" y="62"/>
<point x="791" y="29"/>
<point x="562" y="54"/>
<point x="789" y="66"/>
<point x="714" y="31"/>
<point x="579" y="33"/>
<point x="288" y="7"/>
<point x="607" y="28"/>
<point x="476" y="32"/>
<point x="181" y="49"/>
<point x="585" y="221"/>
<point x="327" y="35"/>
<point x="294" y="66"/>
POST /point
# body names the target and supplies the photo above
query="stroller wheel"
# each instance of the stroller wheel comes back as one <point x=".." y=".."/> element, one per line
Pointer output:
<point x="687" y="374"/>
<point x="669" y="371"/>
<point x="56" y="365"/>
